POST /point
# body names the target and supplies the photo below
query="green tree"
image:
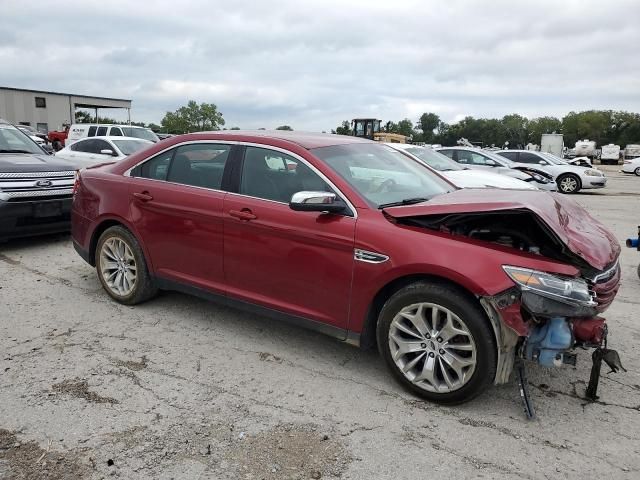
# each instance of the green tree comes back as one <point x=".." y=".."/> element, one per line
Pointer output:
<point x="285" y="127"/>
<point x="538" y="126"/>
<point x="428" y="123"/>
<point x="193" y="118"/>
<point x="405" y="127"/>
<point x="154" y="127"/>
<point x="515" y="127"/>
<point x="344" y="128"/>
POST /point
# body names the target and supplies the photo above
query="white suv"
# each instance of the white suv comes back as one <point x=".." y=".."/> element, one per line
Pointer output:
<point x="82" y="130"/>
<point x="570" y="178"/>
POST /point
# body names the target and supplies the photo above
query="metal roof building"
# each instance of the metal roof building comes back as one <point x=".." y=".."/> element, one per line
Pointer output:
<point x="50" y="110"/>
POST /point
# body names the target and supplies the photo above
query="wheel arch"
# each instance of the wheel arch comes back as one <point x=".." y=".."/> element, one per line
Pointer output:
<point x="102" y="227"/>
<point x="368" y="333"/>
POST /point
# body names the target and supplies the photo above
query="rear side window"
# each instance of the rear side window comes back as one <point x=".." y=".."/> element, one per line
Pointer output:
<point x="115" y="132"/>
<point x="448" y="153"/>
<point x="101" y="131"/>
<point x="199" y="165"/>
<point x="92" y="132"/>
<point x="81" y="146"/>
<point x="513" y="156"/>
<point x="530" y="158"/>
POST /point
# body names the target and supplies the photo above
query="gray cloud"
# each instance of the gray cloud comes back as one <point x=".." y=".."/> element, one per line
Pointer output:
<point x="312" y="64"/>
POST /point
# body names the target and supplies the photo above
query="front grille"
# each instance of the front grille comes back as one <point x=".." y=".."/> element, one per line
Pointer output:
<point x="37" y="185"/>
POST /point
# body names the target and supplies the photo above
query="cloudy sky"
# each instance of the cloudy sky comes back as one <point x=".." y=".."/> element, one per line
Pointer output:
<point x="312" y="64"/>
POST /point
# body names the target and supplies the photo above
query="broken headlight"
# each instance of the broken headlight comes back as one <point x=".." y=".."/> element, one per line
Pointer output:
<point x="567" y="290"/>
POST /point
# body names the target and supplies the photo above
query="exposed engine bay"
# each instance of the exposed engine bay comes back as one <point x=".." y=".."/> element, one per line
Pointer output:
<point x="519" y="229"/>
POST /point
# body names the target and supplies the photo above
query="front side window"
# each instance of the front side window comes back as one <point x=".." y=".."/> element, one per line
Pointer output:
<point x="156" y="168"/>
<point x="448" y="153"/>
<point x="382" y="175"/>
<point x="115" y="132"/>
<point x="199" y="165"/>
<point x="272" y="175"/>
<point x="101" y="145"/>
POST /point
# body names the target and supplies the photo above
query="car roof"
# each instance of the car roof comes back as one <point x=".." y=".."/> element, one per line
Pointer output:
<point x="112" y="137"/>
<point x="306" y="140"/>
<point x="110" y="125"/>
<point x="518" y="150"/>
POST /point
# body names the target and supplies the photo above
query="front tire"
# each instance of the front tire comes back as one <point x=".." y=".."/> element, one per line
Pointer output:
<point x="637" y="171"/>
<point x="437" y="342"/>
<point x="122" y="268"/>
<point x="569" y="183"/>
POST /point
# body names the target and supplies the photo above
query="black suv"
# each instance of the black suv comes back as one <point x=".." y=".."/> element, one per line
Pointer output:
<point x="36" y="189"/>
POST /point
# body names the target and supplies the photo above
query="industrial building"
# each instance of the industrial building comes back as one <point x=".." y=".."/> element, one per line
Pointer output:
<point x="46" y="111"/>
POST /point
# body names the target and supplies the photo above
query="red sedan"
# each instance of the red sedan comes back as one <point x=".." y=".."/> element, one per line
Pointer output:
<point x="356" y="240"/>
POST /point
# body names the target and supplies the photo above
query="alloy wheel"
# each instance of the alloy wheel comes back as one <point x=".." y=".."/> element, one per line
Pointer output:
<point x="118" y="266"/>
<point x="432" y="347"/>
<point x="568" y="184"/>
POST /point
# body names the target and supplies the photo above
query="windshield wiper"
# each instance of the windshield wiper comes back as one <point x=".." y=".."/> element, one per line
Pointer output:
<point x="404" y="201"/>
<point x="14" y="151"/>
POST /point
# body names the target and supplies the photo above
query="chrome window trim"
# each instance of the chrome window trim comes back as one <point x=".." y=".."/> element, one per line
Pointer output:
<point x="127" y="173"/>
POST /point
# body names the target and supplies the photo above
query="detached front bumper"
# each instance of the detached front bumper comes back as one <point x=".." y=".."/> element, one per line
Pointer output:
<point x="544" y="329"/>
<point x="38" y="217"/>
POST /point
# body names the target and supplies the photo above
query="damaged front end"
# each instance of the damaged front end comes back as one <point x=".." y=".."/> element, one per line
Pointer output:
<point x="545" y="315"/>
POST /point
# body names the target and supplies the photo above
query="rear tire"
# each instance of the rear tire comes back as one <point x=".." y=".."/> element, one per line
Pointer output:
<point x="437" y="342"/>
<point x="637" y="171"/>
<point x="569" y="183"/>
<point x="122" y="268"/>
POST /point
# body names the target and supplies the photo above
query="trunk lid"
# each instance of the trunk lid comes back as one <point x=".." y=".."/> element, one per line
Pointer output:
<point x="582" y="234"/>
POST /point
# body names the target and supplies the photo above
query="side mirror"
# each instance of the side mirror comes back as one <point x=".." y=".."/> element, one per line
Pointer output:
<point x="316" y="202"/>
<point x="542" y="162"/>
<point x="108" y="151"/>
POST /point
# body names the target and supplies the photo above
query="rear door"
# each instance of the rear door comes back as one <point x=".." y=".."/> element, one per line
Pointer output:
<point x="176" y="207"/>
<point x="300" y="263"/>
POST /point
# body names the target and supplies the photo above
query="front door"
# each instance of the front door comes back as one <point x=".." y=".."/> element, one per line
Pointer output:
<point x="300" y="263"/>
<point x="176" y="202"/>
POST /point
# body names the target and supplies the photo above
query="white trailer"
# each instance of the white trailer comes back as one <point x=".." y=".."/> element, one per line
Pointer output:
<point x="586" y="148"/>
<point x="610" y="154"/>
<point x="552" y="143"/>
<point x="632" y="151"/>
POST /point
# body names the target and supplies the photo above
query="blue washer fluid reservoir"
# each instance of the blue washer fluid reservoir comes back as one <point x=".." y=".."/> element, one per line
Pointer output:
<point x="547" y="343"/>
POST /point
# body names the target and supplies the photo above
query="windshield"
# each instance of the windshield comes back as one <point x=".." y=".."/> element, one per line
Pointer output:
<point x="382" y="175"/>
<point x="553" y="159"/>
<point x="143" y="133"/>
<point x="128" y="147"/>
<point x="435" y="160"/>
<point x="13" y="140"/>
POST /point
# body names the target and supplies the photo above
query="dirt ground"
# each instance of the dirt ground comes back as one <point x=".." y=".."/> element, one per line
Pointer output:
<point x="181" y="388"/>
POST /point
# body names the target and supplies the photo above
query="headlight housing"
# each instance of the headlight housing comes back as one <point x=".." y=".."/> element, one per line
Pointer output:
<point x="593" y="173"/>
<point x="574" y="291"/>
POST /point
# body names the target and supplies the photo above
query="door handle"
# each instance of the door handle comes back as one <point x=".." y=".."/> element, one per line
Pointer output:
<point x="144" y="196"/>
<point x="244" y="214"/>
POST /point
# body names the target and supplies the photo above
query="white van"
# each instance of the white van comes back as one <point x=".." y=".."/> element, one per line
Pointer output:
<point x="82" y="130"/>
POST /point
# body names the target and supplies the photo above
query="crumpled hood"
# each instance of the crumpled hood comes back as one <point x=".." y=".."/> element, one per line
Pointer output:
<point x="583" y="235"/>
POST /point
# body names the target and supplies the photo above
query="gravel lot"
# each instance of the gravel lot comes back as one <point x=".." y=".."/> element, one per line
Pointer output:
<point x="182" y="388"/>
